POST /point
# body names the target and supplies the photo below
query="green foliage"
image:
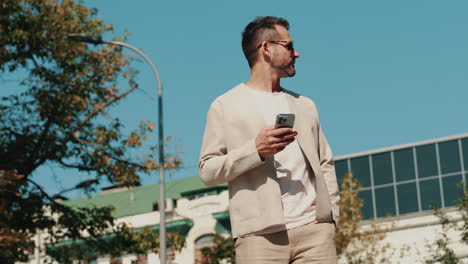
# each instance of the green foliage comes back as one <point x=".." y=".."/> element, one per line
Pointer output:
<point x="350" y="213"/>
<point x="441" y="252"/>
<point x="353" y="243"/>
<point x="224" y="250"/>
<point x="61" y="119"/>
<point x="12" y="240"/>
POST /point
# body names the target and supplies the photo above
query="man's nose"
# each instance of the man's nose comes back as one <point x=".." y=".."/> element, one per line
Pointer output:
<point x="296" y="54"/>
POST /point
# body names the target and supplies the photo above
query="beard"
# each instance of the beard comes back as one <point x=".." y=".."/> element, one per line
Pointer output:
<point x="286" y="70"/>
<point x="290" y="70"/>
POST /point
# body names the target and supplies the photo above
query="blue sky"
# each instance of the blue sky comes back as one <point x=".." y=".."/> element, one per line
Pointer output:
<point x="382" y="73"/>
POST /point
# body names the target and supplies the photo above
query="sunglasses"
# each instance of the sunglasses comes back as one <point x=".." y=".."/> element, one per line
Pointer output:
<point x="288" y="45"/>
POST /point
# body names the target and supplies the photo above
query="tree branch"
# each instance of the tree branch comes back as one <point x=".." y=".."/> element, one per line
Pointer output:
<point x="34" y="61"/>
<point x="39" y="145"/>
<point x="98" y="110"/>
<point x="81" y="185"/>
<point x="107" y="153"/>
<point x="45" y="193"/>
<point x="74" y="166"/>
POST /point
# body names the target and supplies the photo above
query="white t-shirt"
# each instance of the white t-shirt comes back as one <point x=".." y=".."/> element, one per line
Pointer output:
<point x="297" y="188"/>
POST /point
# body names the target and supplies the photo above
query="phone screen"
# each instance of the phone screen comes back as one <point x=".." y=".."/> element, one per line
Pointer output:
<point x="284" y="120"/>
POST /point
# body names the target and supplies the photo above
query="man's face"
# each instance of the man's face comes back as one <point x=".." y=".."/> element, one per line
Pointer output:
<point x="283" y="54"/>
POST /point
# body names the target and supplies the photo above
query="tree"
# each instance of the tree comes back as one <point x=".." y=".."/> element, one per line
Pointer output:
<point x="61" y="118"/>
<point x="354" y="244"/>
<point x="441" y="252"/>
<point x="224" y="250"/>
<point x="350" y="213"/>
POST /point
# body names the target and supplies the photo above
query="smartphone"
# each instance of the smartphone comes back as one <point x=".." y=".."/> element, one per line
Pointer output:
<point x="284" y="120"/>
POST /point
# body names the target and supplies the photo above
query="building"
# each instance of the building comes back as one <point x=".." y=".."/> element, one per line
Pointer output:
<point x="408" y="178"/>
<point x="401" y="181"/>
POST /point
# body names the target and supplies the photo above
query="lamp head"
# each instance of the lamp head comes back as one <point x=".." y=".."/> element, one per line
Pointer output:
<point x="85" y="38"/>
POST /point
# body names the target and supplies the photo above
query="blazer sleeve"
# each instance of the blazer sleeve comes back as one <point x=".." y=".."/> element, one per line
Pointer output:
<point x="217" y="164"/>
<point x="328" y="169"/>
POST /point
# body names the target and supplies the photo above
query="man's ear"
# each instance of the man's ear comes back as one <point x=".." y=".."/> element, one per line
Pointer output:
<point x="264" y="47"/>
<point x="265" y="51"/>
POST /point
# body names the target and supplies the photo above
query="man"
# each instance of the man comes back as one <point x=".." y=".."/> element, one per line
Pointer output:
<point x="282" y="184"/>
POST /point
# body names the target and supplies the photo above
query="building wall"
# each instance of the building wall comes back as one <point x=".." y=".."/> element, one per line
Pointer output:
<point x="409" y="178"/>
<point x="200" y="211"/>
<point x="416" y="230"/>
<point x="401" y="181"/>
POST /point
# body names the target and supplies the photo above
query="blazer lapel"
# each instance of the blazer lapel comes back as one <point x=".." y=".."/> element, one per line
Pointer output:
<point x="304" y="137"/>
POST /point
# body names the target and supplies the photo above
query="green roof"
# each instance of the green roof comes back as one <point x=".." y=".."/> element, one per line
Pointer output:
<point x="223" y="219"/>
<point x="143" y="197"/>
<point x="180" y="226"/>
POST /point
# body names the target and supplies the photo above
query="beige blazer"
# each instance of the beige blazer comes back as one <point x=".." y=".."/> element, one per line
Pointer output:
<point x="229" y="154"/>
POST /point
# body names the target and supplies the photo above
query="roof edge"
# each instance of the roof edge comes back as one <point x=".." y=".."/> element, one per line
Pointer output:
<point x="408" y="145"/>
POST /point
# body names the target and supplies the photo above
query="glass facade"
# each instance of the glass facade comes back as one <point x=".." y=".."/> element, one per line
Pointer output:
<point x="385" y="201"/>
<point x="411" y="178"/>
<point x="407" y="198"/>
<point x="341" y="168"/>
<point x="367" y="210"/>
<point x="465" y="152"/>
<point x="430" y="193"/>
<point x="382" y="168"/>
<point x="452" y="189"/>
<point x="449" y="157"/>
<point x="427" y="161"/>
<point x="360" y="168"/>
<point x="404" y="164"/>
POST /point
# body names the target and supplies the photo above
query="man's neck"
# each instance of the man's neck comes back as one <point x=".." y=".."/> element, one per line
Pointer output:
<point x="264" y="80"/>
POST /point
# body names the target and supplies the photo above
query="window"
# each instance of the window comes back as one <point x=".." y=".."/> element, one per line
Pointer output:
<point x="452" y="190"/>
<point x="427" y="161"/>
<point x="430" y="193"/>
<point x="404" y="164"/>
<point x="203" y="194"/>
<point x="407" y="198"/>
<point x="385" y="201"/>
<point x="360" y="169"/>
<point x="341" y="168"/>
<point x="200" y="243"/>
<point x="382" y="168"/>
<point x="367" y="209"/>
<point x="449" y="157"/>
<point x="465" y="153"/>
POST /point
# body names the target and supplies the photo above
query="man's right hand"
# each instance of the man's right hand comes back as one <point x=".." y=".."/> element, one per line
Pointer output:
<point x="271" y="140"/>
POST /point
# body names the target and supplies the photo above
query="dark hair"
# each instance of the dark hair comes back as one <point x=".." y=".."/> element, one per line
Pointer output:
<point x="261" y="29"/>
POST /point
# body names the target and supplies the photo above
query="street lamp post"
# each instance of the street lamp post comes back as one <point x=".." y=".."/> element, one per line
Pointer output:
<point x="162" y="200"/>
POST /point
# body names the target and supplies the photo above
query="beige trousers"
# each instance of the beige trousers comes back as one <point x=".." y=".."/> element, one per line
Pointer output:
<point x="311" y="243"/>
